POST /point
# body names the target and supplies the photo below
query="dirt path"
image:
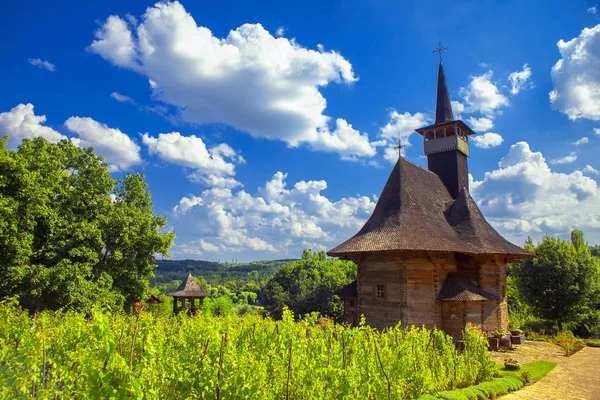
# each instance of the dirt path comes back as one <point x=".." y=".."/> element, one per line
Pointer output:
<point x="574" y="378"/>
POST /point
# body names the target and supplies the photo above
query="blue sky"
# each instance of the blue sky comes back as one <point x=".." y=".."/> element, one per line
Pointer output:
<point x="265" y="128"/>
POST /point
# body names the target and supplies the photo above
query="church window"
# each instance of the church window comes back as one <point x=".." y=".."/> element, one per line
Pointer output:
<point x="380" y="293"/>
<point x="351" y="303"/>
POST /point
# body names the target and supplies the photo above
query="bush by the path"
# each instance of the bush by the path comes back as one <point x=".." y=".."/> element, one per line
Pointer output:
<point x="593" y="342"/>
<point x="509" y="381"/>
<point x="483" y="391"/>
<point x="145" y="356"/>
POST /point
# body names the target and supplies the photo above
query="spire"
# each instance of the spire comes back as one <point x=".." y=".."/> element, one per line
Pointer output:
<point x="443" y="107"/>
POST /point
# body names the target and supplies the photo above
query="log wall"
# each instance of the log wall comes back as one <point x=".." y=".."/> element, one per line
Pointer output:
<point x="412" y="282"/>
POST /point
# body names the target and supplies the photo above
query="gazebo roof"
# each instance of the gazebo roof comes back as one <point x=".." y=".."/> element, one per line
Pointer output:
<point x="189" y="289"/>
<point x="416" y="212"/>
<point x="459" y="288"/>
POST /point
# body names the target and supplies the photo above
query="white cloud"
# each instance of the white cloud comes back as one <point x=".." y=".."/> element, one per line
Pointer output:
<point x="571" y="158"/>
<point x="576" y="76"/>
<point x="520" y="80"/>
<point x="399" y="127"/>
<point x="213" y="166"/>
<point x="592" y="10"/>
<point x="482" y="95"/>
<point x="118" y="149"/>
<point x="457" y="108"/>
<point x="275" y="222"/>
<point x="42" y="64"/>
<point x="345" y="140"/>
<point x="21" y="123"/>
<point x="257" y="83"/>
<point x="122" y="98"/>
<point x="280" y="31"/>
<point x="581" y="141"/>
<point x="114" y="42"/>
<point x="525" y="197"/>
<point x="487" y="140"/>
<point x="597" y="131"/>
<point x="590" y="170"/>
<point x="480" y="124"/>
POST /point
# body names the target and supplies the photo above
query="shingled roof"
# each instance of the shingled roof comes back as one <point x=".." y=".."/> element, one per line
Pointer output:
<point x="350" y="290"/>
<point x="189" y="289"/>
<point x="459" y="288"/>
<point x="416" y="212"/>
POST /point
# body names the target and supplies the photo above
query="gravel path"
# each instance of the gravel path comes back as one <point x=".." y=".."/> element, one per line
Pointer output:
<point x="574" y="378"/>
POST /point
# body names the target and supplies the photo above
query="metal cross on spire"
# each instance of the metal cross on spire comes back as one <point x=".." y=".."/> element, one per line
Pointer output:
<point x="399" y="147"/>
<point x="439" y="50"/>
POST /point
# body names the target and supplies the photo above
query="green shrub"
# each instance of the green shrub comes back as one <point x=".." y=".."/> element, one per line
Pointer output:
<point x="593" y="342"/>
<point x="428" y="397"/>
<point x="453" y="395"/>
<point x="218" y="307"/>
<point x="473" y="393"/>
<point x="499" y="386"/>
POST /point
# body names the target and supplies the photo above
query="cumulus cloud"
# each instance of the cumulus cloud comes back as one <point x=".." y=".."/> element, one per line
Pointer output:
<point x="122" y="98"/>
<point x="525" y="197"/>
<point x="581" y="141"/>
<point x="117" y="148"/>
<point x="480" y="124"/>
<point x="399" y="127"/>
<point x="251" y="80"/>
<point x="597" y="131"/>
<point x="592" y="10"/>
<point x="487" y="140"/>
<point x="482" y="95"/>
<point x="576" y="76"/>
<point x="345" y="140"/>
<point x="276" y="221"/>
<point x="22" y="123"/>
<point x="457" y="108"/>
<point x="571" y="158"/>
<point x="48" y="66"/>
<point x="520" y="80"/>
<point x="213" y="166"/>
<point x="588" y="169"/>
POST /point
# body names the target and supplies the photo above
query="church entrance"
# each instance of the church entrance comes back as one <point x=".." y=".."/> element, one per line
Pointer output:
<point x="458" y="315"/>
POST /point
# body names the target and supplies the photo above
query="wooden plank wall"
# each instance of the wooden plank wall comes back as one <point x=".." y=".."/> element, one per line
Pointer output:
<point x="412" y="282"/>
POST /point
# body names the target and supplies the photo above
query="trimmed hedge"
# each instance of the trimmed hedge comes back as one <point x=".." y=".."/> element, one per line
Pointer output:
<point x="593" y="342"/>
<point x="484" y="391"/>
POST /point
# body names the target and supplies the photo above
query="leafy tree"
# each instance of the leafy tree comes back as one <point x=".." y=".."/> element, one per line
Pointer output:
<point x="561" y="283"/>
<point x="70" y="234"/>
<point x="308" y="285"/>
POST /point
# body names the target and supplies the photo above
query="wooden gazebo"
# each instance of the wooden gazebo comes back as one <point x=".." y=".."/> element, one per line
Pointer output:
<point x="190" y="291"/>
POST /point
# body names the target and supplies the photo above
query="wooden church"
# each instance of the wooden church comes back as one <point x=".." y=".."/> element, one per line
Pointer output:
<point x="427" y="256"/>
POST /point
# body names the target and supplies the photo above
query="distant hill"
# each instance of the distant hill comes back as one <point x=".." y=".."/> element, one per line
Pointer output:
<point x="215" y="273"/>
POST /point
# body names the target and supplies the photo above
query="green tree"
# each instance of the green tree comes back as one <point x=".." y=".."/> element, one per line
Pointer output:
<point x="308" y="285"/>
<point x="70" y="234"/>
<point x="561" y="283"/>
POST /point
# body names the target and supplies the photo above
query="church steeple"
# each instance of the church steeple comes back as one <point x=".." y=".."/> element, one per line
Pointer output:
<point x="443" y="107"/>
<point x="446" y="142"/>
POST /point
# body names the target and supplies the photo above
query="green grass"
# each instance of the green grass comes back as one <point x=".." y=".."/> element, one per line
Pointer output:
<point x="537" y="369"/>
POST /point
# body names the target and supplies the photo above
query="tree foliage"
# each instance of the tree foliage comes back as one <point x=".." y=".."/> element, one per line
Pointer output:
<point x="308" y="285"/>
<point x="561" y="283"/>
<point x="70" y="234"/>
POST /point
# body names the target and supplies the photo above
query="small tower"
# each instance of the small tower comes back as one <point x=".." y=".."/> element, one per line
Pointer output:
<point x="446" y="142"/>
<point x="188" y="290"/>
